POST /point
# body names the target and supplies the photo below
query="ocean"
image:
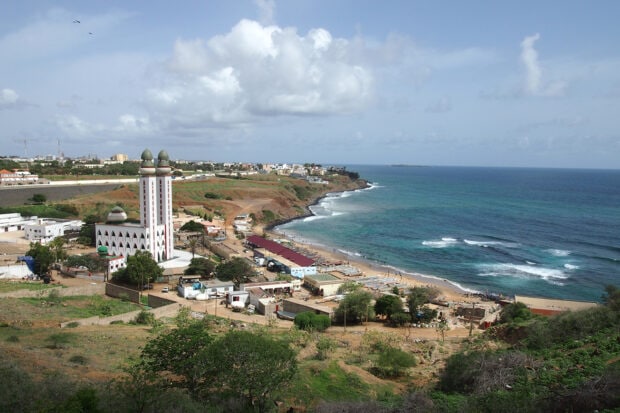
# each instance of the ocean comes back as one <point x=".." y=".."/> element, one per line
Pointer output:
<point x="551" y="233"/>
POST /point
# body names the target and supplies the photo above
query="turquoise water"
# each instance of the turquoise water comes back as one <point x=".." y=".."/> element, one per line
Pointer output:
<point x="541" y="232"/>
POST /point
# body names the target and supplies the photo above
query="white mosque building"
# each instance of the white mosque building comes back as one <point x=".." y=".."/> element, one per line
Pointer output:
<point x="154" y="233"/>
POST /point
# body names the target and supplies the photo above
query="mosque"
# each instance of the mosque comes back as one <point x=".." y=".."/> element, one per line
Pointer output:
<point x="154" y="233"/>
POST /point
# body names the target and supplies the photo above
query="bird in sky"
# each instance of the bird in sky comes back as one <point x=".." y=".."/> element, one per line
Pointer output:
<point x="76" y="21"/>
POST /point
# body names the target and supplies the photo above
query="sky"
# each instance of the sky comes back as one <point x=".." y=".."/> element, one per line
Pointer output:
<point x="336" y="82"/>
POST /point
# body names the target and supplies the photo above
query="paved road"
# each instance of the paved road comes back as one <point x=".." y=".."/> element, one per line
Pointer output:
<point x="19" y="195"/>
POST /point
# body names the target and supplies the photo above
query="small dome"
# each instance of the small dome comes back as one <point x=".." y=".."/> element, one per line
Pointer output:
<point x="147" y="155"/>
<point x="163" y="163"/>
<point x="148" y="166"/>
<point x="117" y="215"/>
<point x="163" y="156"/>
<point x="102" y="250"/>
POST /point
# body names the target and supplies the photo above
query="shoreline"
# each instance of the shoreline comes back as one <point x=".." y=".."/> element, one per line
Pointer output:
<point x="449" y="290"/>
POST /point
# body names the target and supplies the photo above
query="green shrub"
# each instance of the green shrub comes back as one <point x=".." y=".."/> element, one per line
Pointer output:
<point x="12" y="339"/>
<point x="310" y="321"/>
<point x="145" y="318"/>
<point x="60" y="340"/>
<point x="72" y="324"/>
<point x="78" y="359"/>
<point x="323" y="347"/>
<point x="393" y="362"/>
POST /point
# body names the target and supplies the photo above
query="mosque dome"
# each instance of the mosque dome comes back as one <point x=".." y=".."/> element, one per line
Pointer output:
<point x="102" y="250"/>
<point x="163" y="163"/>
<point x="117" y="215"/>
<point x="147" y="167"/>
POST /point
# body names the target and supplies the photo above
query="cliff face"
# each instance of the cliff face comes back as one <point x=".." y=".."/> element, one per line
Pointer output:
<point x="271" y="199"/>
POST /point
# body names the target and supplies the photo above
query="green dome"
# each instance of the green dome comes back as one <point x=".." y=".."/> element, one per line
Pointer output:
<point x="163" y="163"/>
<point x="147" y="155"/>
<point x="163" y="156"/>
<point x="147" y="167"/>
<point x="102" y="250"/>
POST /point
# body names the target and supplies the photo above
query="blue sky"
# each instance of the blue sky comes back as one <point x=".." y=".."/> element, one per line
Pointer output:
<point x="484" y="83"/>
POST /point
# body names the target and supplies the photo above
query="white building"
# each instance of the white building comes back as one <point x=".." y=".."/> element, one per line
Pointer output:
<point x="45" y="230"/>
<point x="14" y="222"/>
<point x="155" y="232"/>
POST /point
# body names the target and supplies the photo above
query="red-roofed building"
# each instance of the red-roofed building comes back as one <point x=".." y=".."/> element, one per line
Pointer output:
<point x="304" y="264"/>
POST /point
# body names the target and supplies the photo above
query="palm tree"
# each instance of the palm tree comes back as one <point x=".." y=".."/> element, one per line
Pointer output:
<point x="193" y="244"/>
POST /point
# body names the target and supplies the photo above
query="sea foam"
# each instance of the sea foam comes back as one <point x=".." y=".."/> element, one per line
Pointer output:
<point x="521" y="271"/>
<point x="442" y="243"/>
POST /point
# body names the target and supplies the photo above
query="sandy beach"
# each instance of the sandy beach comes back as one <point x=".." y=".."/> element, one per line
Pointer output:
<point x="449" y="292"/>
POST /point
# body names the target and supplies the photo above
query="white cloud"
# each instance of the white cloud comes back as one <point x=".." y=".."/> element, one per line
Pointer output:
<point x="8" y="99"/>
<point x="529" y="57"/>
<point x="256" y="71"/>
<point x="533" y="71"/>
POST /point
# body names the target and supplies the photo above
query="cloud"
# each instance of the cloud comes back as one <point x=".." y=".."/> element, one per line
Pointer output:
<point x="533" y="84"/>
<point x="257" y="71"/>
<point x="8" y="99"/>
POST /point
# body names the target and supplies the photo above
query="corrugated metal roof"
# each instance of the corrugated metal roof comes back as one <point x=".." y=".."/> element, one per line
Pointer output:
<point x="280" y="250"/>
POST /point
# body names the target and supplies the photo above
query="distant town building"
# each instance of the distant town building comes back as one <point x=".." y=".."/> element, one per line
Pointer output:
<point x="155" y="232"/>
<point x="119" y="157"/>
<point x="17" y="177"/>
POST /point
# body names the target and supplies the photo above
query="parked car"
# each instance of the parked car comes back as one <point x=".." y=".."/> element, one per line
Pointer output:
<point x="147" y="287"/>
<point x="165" y="290"/>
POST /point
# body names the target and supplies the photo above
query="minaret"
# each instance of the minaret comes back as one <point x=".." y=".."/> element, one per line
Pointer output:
<point x="164" y="199"/>
<point x="148" y="202"/>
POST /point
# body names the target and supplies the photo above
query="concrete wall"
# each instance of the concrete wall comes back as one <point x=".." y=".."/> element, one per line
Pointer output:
<point x="170" y="310"/>
<point x="156" y="301"/>
<point x="118" y="291"/>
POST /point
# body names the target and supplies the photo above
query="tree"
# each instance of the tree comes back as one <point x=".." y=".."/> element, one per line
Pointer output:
<point x="141" y="268"/>
<point x="349" y="287"/>
<point x="237" y="270"/>
<point x="442" y="327"/>
<point x="418" y="296"/>
<point x="43" y="257"/>
<point x="87" y="232"/>
<point x="611" y="298"/>
<point x="192" y="226"/>
<point x="200" y="266"/>
<point x="515" y="313"/>
<point x="393" y="362"/>
<point x="251" y="365"/>
<point x="193" y="245"/>
<point x="38" y="198"/>
<point x="388" y="305"/>
<point x="57" y="245"/>
<point x="178" y="352"/>
<point x="355" y="307"/>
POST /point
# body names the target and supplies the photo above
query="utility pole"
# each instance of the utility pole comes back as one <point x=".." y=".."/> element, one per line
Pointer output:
<point x="471" y="319"/>
<point x="345" y="316"/>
